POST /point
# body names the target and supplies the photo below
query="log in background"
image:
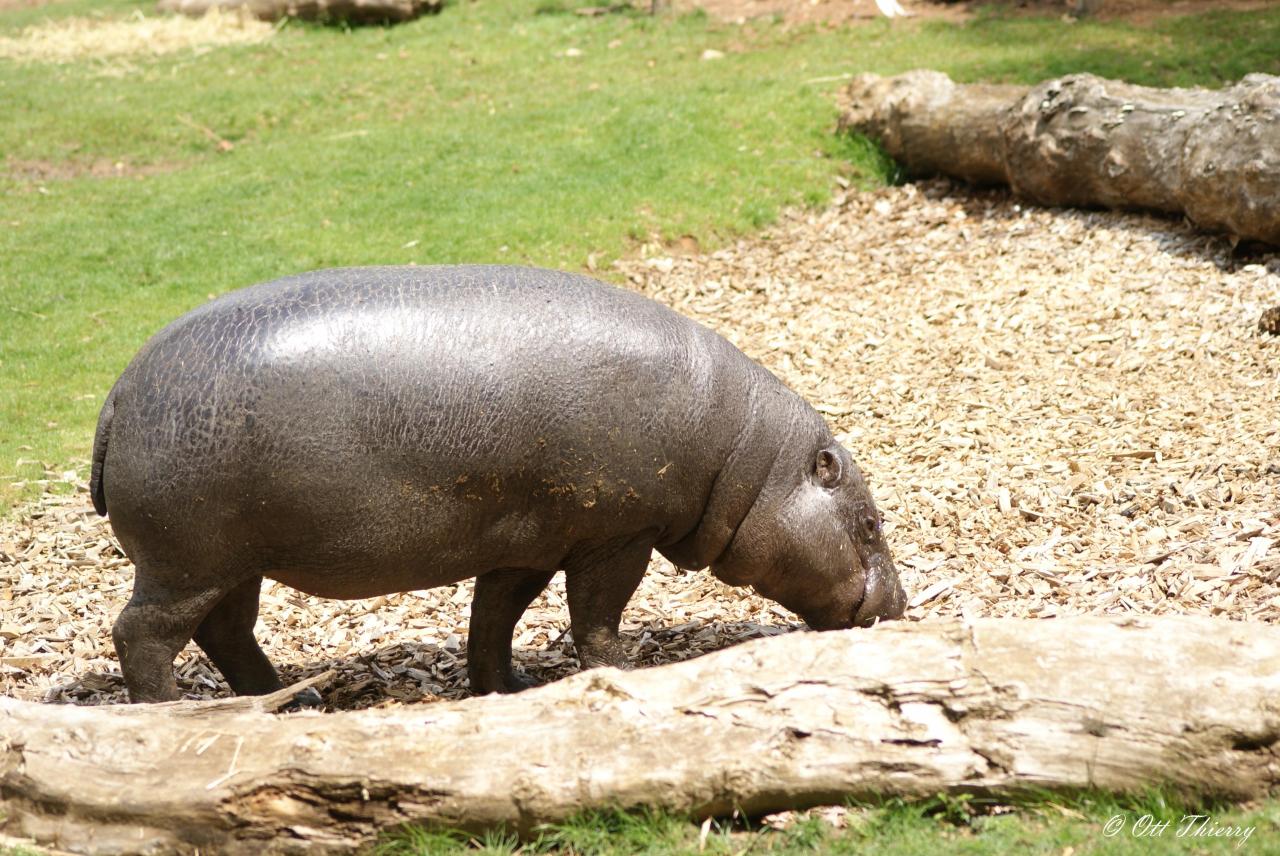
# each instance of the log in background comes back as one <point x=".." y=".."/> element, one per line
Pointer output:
<point x="1080" y="140"/>
<point x="994" y="706"/>
<point x="328" y="11"/>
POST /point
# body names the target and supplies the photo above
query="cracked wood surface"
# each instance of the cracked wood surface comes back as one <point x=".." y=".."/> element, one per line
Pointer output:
<point x="991" y="705"/>
<point x="1083" y="141"/>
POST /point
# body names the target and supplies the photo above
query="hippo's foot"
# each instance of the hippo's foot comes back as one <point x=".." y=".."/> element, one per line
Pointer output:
<point x="308" y="699"/>
<point x="603" y="648"/>
<point x="612" y="660"/>
<point x="513" y="681"/>
<point x="517" y="681"/>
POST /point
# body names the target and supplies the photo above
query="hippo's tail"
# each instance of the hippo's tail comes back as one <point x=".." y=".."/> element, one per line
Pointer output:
<point x="100" y="453"/>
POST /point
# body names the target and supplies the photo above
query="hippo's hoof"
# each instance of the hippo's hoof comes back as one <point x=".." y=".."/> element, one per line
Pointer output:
<point x="512" y="682"/>
<point x="518" y="681"/>
<point x="308" y="699"/>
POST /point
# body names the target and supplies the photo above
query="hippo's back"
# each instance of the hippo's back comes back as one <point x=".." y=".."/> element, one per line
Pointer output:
<point x="393" y="403"/>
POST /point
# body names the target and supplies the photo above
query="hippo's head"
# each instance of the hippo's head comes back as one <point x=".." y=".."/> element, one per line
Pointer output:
<point x="812" y="542"/>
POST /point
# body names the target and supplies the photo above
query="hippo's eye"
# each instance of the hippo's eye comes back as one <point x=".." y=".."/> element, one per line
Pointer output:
<point x="872" y="524"/>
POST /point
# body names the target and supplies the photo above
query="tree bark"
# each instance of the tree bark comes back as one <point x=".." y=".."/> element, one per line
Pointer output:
<point x="350" y="11"/>
<point x="995" y="706"/>
<point x="1213" y="155"/>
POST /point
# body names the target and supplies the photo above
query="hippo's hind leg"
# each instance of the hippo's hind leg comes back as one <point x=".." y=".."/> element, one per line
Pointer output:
<point x="599" y="580"/>
<point x="153" y="627"/>
<point x="226" y="636"/>
<point x="501" y="598"/>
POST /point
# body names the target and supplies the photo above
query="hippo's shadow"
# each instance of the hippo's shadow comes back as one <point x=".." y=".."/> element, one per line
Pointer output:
<point x="418" y="673"/>
<point x="421" y="673"/>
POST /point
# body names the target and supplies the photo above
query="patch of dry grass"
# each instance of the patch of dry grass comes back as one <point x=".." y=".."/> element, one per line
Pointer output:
<point x="75" y="39"/>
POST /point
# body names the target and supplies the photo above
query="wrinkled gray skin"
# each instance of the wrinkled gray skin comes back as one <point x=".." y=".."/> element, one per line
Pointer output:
<point x="357" y="432"/>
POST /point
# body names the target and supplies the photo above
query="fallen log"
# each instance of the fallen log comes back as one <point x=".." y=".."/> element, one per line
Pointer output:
<point x="995" y="706"/>
<point x="325" y="11"/>
<point x="1080" y="140"/>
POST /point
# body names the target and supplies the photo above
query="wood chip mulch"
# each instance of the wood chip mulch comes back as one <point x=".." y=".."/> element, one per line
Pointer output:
<point x="1061" y="412"/>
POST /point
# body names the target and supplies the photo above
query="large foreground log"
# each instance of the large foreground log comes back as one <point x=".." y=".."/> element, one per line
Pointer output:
<point x="1213" y="155"/>
<point x="994" y="706"/>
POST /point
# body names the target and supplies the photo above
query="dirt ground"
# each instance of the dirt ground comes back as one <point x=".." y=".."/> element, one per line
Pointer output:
<point x="833" y="12"/>
<point x="1061" y="412"/>
<point x="830" y="12"/>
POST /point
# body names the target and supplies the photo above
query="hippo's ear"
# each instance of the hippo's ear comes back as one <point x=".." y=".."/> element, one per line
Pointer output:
<point x="827" y="468"/>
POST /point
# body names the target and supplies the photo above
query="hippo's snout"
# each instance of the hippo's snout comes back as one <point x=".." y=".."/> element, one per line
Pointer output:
<point x="884" y="598"/>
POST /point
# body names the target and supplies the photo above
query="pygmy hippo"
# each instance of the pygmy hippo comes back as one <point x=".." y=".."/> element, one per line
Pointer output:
<point x="357" y="432"/>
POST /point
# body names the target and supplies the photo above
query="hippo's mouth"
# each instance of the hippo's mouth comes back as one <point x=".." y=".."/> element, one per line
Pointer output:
<point x="864" y="618"/>
<point x="882" y="599"/>
<point x="836" y="619"/>
<point x="878" y="603"/>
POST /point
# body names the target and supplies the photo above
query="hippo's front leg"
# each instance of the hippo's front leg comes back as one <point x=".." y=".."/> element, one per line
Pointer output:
<point x="599" y="580"/>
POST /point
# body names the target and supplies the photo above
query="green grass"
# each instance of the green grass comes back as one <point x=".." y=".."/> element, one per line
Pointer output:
<point x="464" y="137"/>
<point x="1085" y="825"/>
